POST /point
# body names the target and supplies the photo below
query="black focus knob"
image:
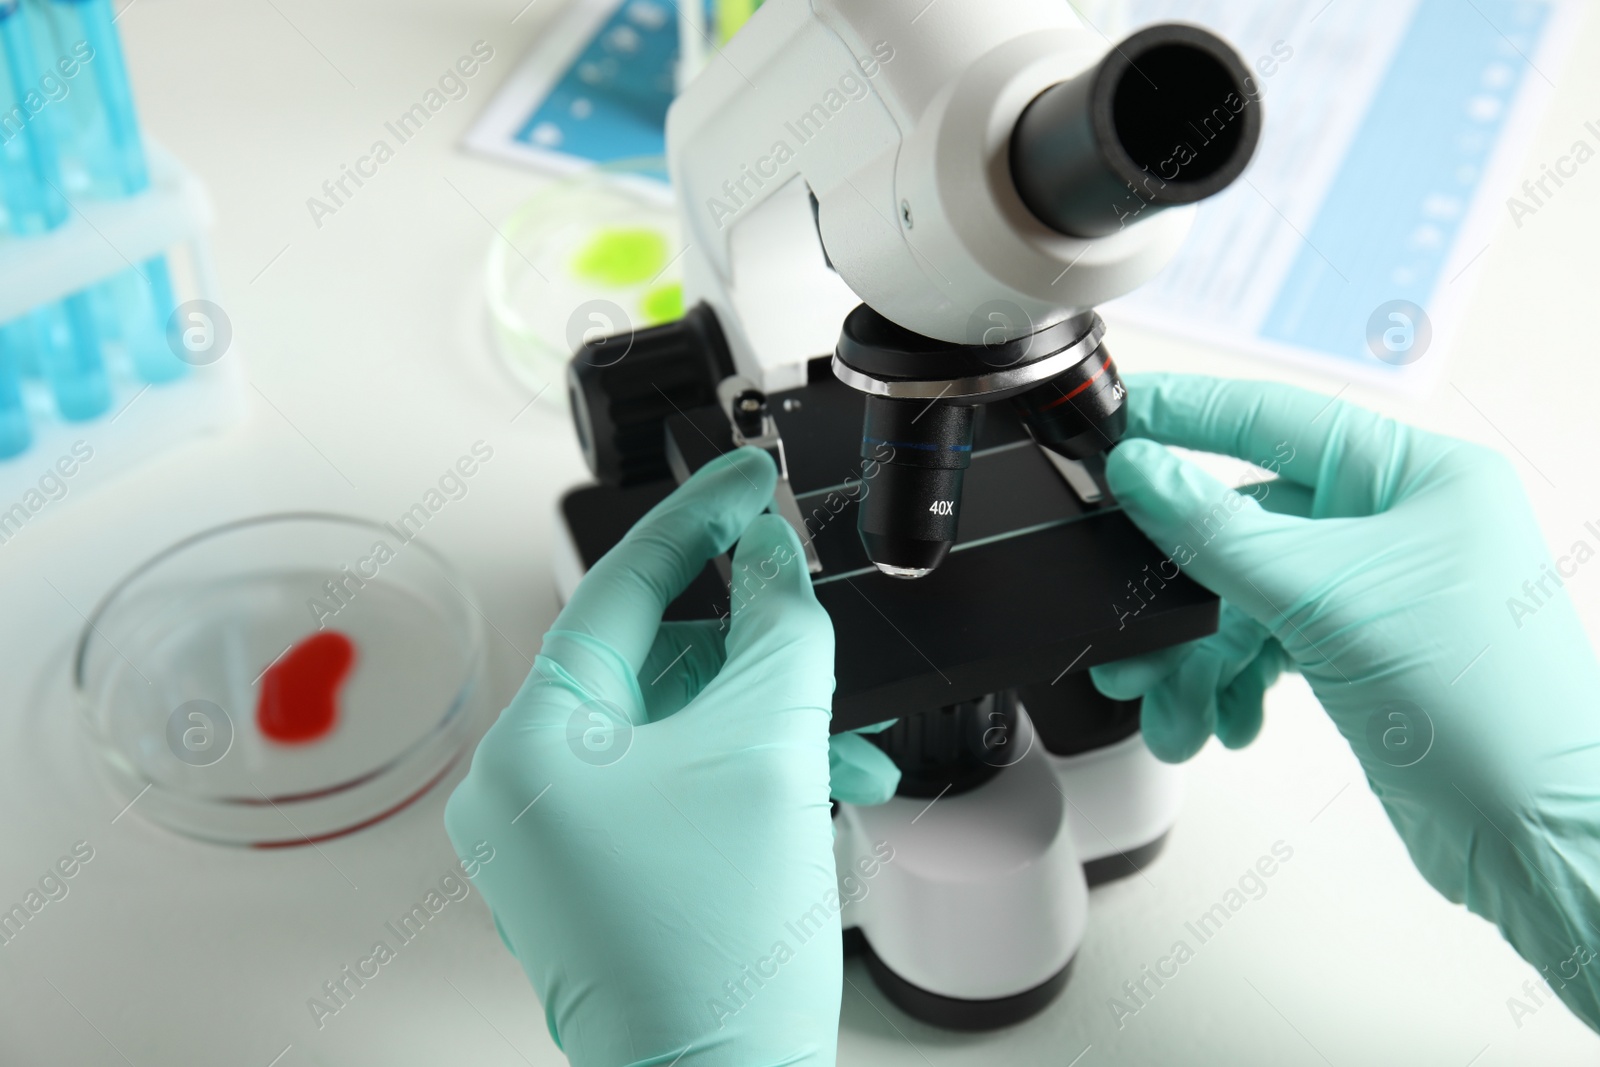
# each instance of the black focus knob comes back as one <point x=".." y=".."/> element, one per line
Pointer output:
<point x="624" y="386"/>
<point x="949" y="750"/>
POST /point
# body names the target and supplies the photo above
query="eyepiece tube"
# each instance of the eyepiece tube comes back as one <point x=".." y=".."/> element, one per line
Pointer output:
<point x="1170" y="116"/>
<point x="909" y="516"/>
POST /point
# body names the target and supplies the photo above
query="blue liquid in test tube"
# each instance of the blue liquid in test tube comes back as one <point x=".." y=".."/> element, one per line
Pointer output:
<point x="15" y="433"/>
<point x="75" y="371"/>
<point x="105" y="157"/>
<point x="19" y="337"/>
<point x="69" y="345"/>
<point x="97" y="119"/>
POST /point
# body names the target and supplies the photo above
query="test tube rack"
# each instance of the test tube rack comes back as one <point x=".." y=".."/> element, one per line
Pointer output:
<point x="100" y="239"/>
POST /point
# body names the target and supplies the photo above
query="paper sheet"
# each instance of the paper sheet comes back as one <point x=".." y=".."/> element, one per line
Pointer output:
<point x="1393" y="129"/>
<point x="595" y="89"/>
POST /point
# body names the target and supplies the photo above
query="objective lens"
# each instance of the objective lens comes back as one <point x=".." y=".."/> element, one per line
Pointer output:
<point x="908" y="518"/>
<point x="1079" y="413"/>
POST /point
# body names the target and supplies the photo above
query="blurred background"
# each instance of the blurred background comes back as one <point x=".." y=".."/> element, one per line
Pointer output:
<point x="324" y="262"/>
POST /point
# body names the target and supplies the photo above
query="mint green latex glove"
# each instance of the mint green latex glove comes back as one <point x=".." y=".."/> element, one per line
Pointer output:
<point x="1403" y="574"/>
<point x="657" y="800"/>
<point x="859" y="772"/>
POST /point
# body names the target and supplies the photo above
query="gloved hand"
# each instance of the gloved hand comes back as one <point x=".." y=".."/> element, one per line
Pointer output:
<point x="859" y="772"/>
<point x="658" y="802"/>
<point x="1403" y="574"/>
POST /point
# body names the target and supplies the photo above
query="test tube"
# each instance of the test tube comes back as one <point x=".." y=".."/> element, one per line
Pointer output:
<point x="71" y="360"/>
<point x="68" y="345"/>
<point x="17" y="338"/>
<point x="99" y="128"/>
<point x="15" y="432"/>
<point x="105" y="156"/>
<point x="38" y="156"/>
<point x="137" y="304"/>
<point x="32" y="206"/>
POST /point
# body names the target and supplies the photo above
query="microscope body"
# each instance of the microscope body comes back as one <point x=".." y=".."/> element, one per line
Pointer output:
<point x="900" y="218"/>
<point x="979" y="177"/>
<point x="901" y="131"/>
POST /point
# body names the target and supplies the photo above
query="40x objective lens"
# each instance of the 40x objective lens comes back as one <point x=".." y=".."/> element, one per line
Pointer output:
<point x="909" y="517"/>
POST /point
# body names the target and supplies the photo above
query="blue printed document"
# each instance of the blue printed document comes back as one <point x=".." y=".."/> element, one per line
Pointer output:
<point x="1396" y="131"/>
<point x="595" y="89"/>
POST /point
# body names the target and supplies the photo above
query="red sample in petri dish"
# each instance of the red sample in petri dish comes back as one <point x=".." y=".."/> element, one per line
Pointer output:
<point x="300" y="693"/>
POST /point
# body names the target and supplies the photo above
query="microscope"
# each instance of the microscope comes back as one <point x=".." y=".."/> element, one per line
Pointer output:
<point x="900" y="218"/>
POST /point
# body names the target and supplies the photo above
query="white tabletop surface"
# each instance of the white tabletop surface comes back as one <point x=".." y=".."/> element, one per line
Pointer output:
<point x="368" y="337"/>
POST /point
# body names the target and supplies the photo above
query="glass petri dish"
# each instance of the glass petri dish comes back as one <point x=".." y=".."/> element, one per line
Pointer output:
<point x="189" y="669"/>
<point x="593" y="254"/>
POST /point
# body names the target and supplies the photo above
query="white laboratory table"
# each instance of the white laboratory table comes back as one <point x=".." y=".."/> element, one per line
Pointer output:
<point x="370" y="371"/>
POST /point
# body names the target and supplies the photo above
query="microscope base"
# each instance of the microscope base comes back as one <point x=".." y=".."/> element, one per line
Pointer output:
<point x="1001" y="874"/>
<point x="1122" y="801"/>
<point x="994" y="871"/>
<point x="951" y="1013"/>
<point x="1120" y="865"/>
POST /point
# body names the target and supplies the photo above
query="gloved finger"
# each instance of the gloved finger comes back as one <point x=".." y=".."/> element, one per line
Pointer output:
<point x="1221" y="538"/>
<point x="685" y="656"/>
<point x="1237" y="641"/>
<point x="1300" y="435"/>
<point x="875" y="728"/>
<point x="780" y="640"/>
<point x="1189" y="697"/>
<point x="1131" y="678"/>
<point x="620" y="601"/>
<point x="859" y="772"/>
<point x="1180" y="713"/>
<point x="1241" y="705"/>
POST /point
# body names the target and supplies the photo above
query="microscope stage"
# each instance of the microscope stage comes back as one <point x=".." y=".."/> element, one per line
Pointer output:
<point x="1038" y="585"/>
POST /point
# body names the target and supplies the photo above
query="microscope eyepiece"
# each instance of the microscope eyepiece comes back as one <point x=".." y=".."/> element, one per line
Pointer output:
<point x="1170" y="116"/>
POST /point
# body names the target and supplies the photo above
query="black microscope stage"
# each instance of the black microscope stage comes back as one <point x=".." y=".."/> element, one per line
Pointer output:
<point x="1039" y="585"/>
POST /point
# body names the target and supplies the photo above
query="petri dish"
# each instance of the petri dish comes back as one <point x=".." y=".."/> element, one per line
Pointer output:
<point x="594" y="254"/>
<point x="359" y="638"/>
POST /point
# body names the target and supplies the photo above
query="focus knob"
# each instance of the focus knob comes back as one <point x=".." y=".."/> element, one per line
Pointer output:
<point x="952" y="749"/>
<point x="624" y="386"/>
